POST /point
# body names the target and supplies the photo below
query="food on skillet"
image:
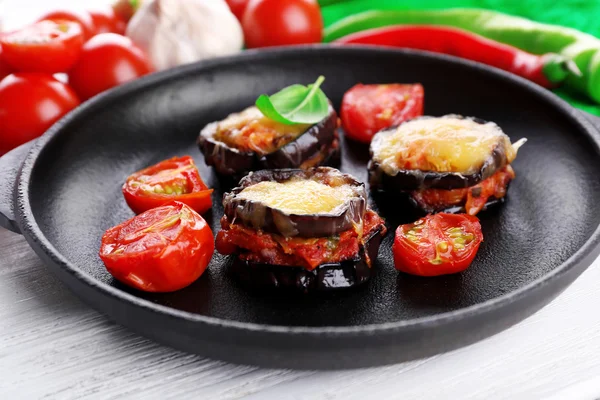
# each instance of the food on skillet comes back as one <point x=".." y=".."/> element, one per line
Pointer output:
<point x="450" y="163"/>
<point x="294" y="128"/>
<point x="367" y="109"/>
<point x="438" y="244"/>
<point x="161" y="250"/>
<point x="308" y="229"/>
<point x="174" y="179"/>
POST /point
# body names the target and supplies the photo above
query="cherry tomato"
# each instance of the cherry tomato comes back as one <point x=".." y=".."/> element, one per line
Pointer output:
<point x="237" y="7"/>
<point x="46" y="46"/>
<point x="5" y="69"/>
<point x="276" y="23"/>
<point x="162" y="250"/>
<point x="83" y="18"/>
<point x="124" y="9"/>
<point x="29" y="104"/>
<point x="367" y="109"/>
<point x="107" y="60"/>
<point x="174" y="179"/>
<point x="438" y="244"/>
<point x="106" y="21"/>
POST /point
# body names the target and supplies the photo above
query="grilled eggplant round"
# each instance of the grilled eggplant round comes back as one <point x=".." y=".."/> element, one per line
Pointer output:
<point x="446" y="162"/>
<point x="311" y="203"/>
<point x="345" y="274"/>
<point x="316" y="145"/>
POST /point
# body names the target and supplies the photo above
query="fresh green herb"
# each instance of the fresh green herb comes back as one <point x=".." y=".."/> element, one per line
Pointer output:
<point x="296" y="104"/>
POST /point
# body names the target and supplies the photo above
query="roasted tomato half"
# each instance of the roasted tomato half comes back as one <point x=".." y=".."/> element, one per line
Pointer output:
<point x="438" y="244"/>
<point x="162" y="250"/>
<point x="174" y="179"/>
<point x="367" y="109"/>
<point x="46" y="46"/>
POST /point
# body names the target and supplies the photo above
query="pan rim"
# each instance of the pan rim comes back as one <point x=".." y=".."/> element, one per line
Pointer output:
<point x="32" y="232"/>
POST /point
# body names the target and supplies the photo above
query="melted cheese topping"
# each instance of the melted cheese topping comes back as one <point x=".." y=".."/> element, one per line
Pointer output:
<point x="445" y="144"/>
<point x="298" y="196"/>
<point x="251" y="130"/>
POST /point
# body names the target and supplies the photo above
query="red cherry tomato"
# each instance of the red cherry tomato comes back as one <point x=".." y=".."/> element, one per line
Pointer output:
<point x="162" y="250"/>
<point x="124" y="9"/>
<point x="367" y="109"/>
<point x="174" y="179"/>
<point x="5" y="69"/>
<point x="83" y="18"/>
<point x="106" y="21"/>
<point x="29" y="105"/>
<point x="46" y="46"/>
<point x="276" y="23"/>
<point x="438" y="244"/>
<point x="237" y="7"/>
<point x="107" y="60"/>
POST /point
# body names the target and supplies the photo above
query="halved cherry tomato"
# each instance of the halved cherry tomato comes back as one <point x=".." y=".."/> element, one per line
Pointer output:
<point x="29" y="104"/>
<point x="107" y="60"/>
<point x="277" y="23"/>
<point x="106" y="21"/>
<point x="174" y="179"/>
<point x="83" y="18"/>
<point x="367" y="109"/>
<point x="46" y="46"/>
<point x="162" y="250"/>
<point x="5" y="69"/>
<point x="438" y="244"/>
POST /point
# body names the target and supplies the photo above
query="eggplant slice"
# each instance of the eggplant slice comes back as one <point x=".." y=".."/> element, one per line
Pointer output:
<point x="253" y="206"/>
<point x="318" y="145"/>
<point x="384" y="175"/>
<point x="345" y="274"/>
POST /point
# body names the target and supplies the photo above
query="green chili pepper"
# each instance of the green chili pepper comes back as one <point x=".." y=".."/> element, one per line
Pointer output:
<point x="530" y="36"/>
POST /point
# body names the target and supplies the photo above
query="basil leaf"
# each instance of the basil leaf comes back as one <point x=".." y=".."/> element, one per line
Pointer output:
<point x="296" y="104"/>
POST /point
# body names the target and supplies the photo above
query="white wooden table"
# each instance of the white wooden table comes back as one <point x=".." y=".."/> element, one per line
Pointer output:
<point x="54" y="346"/>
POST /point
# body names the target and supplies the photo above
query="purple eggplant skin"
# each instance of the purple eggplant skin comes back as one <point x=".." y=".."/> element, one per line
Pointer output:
<point x="319" y="138"/>
<point x="256" y="215"/>
<point x="409" y="180"/>
<point x="457" y="209"/>
<point x="326" y="277"/>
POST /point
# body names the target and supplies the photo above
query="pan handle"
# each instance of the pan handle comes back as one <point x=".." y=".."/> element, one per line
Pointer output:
<point x="10" y="165"/>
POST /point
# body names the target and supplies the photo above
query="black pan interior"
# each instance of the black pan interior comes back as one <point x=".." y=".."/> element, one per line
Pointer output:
<point x="551" y="210"/>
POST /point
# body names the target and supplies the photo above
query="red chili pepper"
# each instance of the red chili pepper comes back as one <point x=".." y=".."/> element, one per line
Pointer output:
<point x="547" y="70"/>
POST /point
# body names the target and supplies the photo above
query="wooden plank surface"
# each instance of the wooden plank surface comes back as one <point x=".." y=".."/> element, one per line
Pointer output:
<point x="54" y="346"/>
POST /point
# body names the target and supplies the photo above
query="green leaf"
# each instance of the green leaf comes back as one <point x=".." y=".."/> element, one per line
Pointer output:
<point x="296" y="104"/>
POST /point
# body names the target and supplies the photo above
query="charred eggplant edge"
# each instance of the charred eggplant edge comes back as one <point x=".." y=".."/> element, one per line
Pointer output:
<point x="326" y="277"/>
<point x="409" y="180"/>
<point x="259" y="216"/>
<point x="231" y="161"/>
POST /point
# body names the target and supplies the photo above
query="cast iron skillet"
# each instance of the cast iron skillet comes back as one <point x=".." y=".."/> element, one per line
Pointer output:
<point x="68" y="192"/>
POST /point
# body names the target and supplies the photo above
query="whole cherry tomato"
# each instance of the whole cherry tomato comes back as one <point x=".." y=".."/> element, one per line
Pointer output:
<point x="237" y="7"/>
<point x="276" y="23"/>
<point x="5" y="69"/>
<point x="82" y="17"/>
<point x="174" y="179"/>
<point x="124" y="9"/>
<point x="106" y="21"/>
<point x="162" y="250"/>
<point x="367" y="109"/>
<point x="107" y="60"/>
<point x="438" y="244"/>
<point x="46" y="46"/>
<point x="29" y="104"/>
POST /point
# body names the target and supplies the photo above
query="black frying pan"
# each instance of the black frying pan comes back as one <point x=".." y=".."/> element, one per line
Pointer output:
<point x="68" y="192"/>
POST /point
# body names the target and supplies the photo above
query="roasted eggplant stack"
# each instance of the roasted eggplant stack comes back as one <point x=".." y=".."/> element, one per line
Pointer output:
<point x="303" y="229"/>
<point x="249" y="141"/>
<point x="450" y="163"/>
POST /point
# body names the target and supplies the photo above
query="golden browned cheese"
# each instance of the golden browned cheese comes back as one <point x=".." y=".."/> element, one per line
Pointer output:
<point x="299" y="196"/>
<point x="445" y="144"/>
<point x="251" y="130"/>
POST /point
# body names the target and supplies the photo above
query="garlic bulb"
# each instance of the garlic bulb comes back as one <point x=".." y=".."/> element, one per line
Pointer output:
<point x="175" y="32"/>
